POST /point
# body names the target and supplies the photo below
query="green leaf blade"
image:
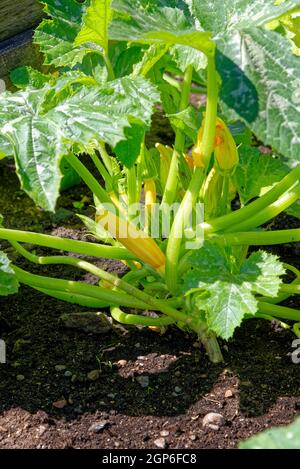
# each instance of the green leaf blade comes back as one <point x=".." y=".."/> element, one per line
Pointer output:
<point x="275" y="438"/>
<point x="96" y="22"/>
<point x="9" y="284"/>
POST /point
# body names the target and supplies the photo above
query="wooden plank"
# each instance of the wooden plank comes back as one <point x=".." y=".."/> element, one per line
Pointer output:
<point x="18" y="16"/>
<point x="16" y="52"/>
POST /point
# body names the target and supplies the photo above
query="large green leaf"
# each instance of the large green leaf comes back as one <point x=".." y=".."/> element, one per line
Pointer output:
<point x="150" y="59"/>
<point x="260" y="74"/>
<point x="8" y="281"/>
<point x="56" y="36"/>
<point x="41" y="133"/>
<point x="275" y="438"/>
<point x="96" y="21"/>
<point x="228" y="16"/>
<point x="102" y="113"/>
<point x="157" y="21"/>
<point x="36" y="143"/>
<point x="225" y="290"/>
<point x="185" y="56"/>
<point x="257" y="173"/>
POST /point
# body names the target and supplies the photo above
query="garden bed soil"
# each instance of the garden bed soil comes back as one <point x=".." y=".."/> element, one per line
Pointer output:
<point x="146" y="390"/>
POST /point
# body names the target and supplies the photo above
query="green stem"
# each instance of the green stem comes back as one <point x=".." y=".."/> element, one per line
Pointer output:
<point x="210" y="343"/>
<point x="224" y="197"/>
<point x="78" y="288"/>
<point x="279" y="311"/>
<point x="184" y="102"/>
<point x="292" y="288"/>
<point x="191" y="196"/>
<point x="137" y="320"/>
<point x="176" y="83"/>
<point x="176" y="234"/>
<point x="169" y="194"/>
<point x="207" y="144"/>
<point x="145" y="299"/>
<point x="102" y="171"/>
<point x="70" y="245"/>
<point x="74" y="298"/>
<point x="89" y="179"/>
<point x="110" y="70"/>
<point x="258" y="238"/>
<point x="239" y="216"/>
<point x="107" y="160"/>
<point x="283" y="202"/>
<point x="131" y="189"/>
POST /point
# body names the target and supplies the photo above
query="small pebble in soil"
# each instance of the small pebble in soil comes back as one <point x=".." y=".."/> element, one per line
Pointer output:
<point x="228" y="394"/>
<point x="98" y="427"/>
<point x="213" y="421"/>
<point x="164" y="433"/>
<point x="193" y="437"/>
<point x="160" y="443"/>
<point x="20" y="377"/>
<point x="60" y="404"/>
<point x="122" y="363"/>
<point x="93" y="375"/>
<point x="60" y="367"/>
<point x="143" y="381"/>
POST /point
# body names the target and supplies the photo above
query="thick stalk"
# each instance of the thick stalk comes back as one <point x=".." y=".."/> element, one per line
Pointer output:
<point x="74" y="298"/>
<point x="145" y="299"/>
<point x="210" y="343"/>
<point x="176" y="234"/>
<point x="258" y="238"/>
<point x="239" y="216"/>
<point x="291" y="288"/>
<point x="78" y="288"/>
<point x="283" y="202"/>
<point x="70" y="245"/>
<point x="279" y="311"/>
<point x="190" y="198"/>
<point x="172" y="180"/>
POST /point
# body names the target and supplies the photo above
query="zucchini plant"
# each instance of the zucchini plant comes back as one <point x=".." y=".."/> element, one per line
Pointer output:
<point x="111" y="63"/>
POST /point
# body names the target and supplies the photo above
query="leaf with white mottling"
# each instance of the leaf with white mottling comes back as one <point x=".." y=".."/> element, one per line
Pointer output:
<point x="8" y="281"/>
<point x="257" y="173"/>
<point x="275" y="438"/>
<point x="229" y="288"/>
<point x="36" y="144"/>
<point x="56" y="36"/>
<point x="157" y="21"/>
<point x="260" y="74"/>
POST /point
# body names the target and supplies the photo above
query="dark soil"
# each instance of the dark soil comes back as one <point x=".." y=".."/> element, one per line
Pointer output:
<point x="47" y="399"/>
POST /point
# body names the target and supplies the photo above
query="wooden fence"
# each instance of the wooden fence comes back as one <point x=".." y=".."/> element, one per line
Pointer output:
<point x="17" y="20"/>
